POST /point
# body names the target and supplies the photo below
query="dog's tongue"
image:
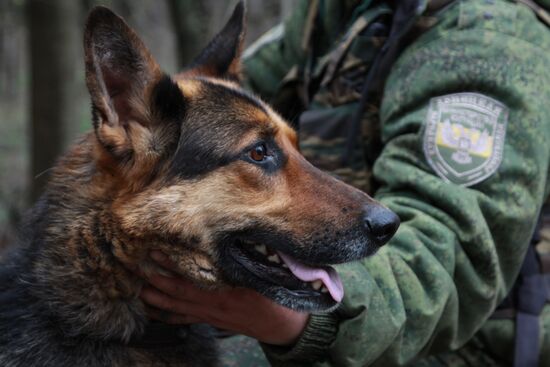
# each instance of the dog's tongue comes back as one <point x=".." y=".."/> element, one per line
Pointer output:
<point x="327" y="275"/>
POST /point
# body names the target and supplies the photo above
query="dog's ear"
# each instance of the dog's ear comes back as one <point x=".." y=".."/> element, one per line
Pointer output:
<point x="127" y="87"/>
<point x="119" y="68"/>
<point x="222" y="57"/>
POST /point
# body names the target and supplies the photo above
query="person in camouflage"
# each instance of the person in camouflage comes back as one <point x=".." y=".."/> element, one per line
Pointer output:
<point x="454" y="137"/>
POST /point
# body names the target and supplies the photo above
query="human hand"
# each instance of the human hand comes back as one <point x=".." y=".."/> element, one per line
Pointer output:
<point x="240" y="310"/>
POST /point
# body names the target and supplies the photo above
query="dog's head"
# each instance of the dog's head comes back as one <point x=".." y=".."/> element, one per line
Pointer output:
<point x="210" y="174"/>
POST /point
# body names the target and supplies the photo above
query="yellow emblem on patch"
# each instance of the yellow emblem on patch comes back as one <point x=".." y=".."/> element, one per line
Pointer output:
<point x="464" y="136"/>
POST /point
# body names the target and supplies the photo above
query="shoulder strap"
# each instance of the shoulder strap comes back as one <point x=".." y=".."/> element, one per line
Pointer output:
<point x="526" y="301"/>
<point x="537" y="9"/>
<point x="531" y="297"/>
<point x="405" y="15"/>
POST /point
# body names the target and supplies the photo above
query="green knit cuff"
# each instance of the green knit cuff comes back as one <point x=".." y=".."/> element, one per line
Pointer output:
<point x="312" y="346"/>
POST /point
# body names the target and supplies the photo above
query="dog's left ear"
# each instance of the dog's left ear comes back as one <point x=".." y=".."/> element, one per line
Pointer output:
<point x="119" y="67"/>
<point x="222" y="57"/>
<point x="131" y="97"/>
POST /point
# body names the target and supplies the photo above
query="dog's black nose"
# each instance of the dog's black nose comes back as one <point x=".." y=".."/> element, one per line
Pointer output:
<point x="380" y="222"/>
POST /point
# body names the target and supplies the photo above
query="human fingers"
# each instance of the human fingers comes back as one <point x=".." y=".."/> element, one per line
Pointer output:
<point x="162" y="301"/>
<point x="163" y="260"/>
<point x="167" y="309"/>
<point x="182" y="289"/>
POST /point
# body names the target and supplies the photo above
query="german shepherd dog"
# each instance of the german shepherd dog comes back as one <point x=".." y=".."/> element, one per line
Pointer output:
<point x="192" y="165"/>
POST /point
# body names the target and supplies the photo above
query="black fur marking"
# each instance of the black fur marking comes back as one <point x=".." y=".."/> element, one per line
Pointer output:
<point x="83" y="252"/>
<point x="96" y="116"/>
<point x="226" y="93"/>
<point x="168" y="101"/>
<point x="103" y="244"/>
<point x="194" y="161"/>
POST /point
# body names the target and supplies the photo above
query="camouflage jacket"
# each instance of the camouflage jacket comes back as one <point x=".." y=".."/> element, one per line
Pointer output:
<point x="464" y="231"/>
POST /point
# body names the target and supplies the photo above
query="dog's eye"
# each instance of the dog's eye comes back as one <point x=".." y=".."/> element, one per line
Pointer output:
<point x="258" y="153"/>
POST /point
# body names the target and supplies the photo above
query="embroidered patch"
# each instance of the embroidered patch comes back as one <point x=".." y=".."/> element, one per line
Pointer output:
<point x="464" y="137"/>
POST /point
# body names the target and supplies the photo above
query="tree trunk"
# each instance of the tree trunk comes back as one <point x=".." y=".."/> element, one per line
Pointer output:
<point x="190" y="19"/>
<point x="55" y="45"/>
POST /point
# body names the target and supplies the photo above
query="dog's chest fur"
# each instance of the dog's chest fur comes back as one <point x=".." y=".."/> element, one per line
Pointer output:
<point x="31" y="335"/>
<point x="54" y="314"/>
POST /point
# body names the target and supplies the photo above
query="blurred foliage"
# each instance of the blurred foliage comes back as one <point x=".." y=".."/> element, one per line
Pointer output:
<point x="44" y="103"/>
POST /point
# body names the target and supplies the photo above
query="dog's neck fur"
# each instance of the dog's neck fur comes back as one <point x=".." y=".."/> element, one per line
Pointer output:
<point x="79" y="275"/>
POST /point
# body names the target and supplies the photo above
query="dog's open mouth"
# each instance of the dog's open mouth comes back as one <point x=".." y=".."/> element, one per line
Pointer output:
<point x="293" y="283"/>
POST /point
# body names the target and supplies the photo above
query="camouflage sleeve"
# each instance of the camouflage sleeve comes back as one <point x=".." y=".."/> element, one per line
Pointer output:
<point x="271" y="58"/>
<point x="458" y="249"/>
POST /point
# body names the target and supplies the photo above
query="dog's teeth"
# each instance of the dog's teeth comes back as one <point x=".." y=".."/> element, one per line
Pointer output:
<point x="261" y="249"/>
<point x="274" y="259"/>
<point x="324" y="289"/>
<point x="317" y="284"/>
